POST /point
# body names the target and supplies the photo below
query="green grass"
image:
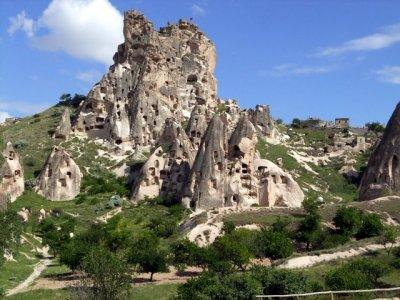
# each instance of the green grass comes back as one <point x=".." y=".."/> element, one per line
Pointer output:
<point x="14" y="272"/>
<point x="55" y="269"/>
<point x="263" y="218"/>
<point x="62" y="294"/>
<point x="273" y="152"/>
<point x="154" y="291"/>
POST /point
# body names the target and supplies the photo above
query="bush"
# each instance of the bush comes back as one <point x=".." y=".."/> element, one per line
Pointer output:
<point x="371" y="226"/>
<point x="11" y="230"/>
<point x="359" y="274"/>
<point x="348" y="220"/>
<point x="281" y="281"/>
<point x="20" y="144"/>
<point x="108" y="273"/>
<point x="73" y="253"/>
<point x="210" y="286"/>
<point x="228" y="227"/>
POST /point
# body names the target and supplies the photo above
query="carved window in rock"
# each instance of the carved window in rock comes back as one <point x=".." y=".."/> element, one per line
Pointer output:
<point x="17" y="172"/>
<point x="220" y="166"/>
<point x="11" y="155"/>
<point x="214" y="183"/>
<point x="63" y="182"/>
<point x="156" y="163"/>
<point x="284" y="179"/>
<point x="156" y="180"/>
<point x="49" y="172"/>
<point x="69" y="174"/>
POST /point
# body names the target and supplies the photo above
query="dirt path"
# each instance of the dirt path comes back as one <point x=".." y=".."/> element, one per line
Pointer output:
<point x="310" y="260"/>
<point x="39" y="268"/>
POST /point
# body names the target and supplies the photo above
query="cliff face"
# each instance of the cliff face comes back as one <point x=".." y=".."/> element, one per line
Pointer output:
<point x="382" y="176"/>
<point x="156" y="75"/>
<point x="12" y="183"/>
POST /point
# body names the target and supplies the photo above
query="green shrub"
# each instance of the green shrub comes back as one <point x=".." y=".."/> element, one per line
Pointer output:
<point x="348" y="220"/>
<point x="274" y="245"/>
<point x="371" y="226"/>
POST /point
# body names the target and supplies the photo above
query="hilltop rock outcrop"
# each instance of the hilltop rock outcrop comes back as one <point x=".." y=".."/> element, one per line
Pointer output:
<point x="382" y="176"/>
<point x="156" y="75"/>
<point x="64" y="128"/>
<point x="12" y="183"/>
<point x="167" y="169"/>
<point x="60" y="178"/>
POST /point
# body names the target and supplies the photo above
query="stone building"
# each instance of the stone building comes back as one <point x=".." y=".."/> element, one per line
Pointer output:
<point x="342" y="123"/>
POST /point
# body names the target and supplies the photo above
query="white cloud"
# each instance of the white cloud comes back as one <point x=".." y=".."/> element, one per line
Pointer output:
<point x="389" y="74"/>
<point x="296" y="70"/>
<point x="3" y="116"/>
<point x="197" y="10"/>
<point x="21" y="22"/>
<point x="89" y="76"/>
<point x="86" y="29"/>
<point x="389" y="36"/>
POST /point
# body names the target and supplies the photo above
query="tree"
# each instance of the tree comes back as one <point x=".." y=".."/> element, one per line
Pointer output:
<point x="274" y="244"/>
<point x="232" y="250"/>
<point x="73" y="253"/>
<point x="348" y="220"/>
<point x="146" y="252"/>
<point x="388" y="238"/>
<point x="371" y="226"/>
<point x="108" y="273"/>
<point x="310" y="227"/>
<point x="186" y="253"/>
<point x="375" y="127"/>
<point x="11" y="230"/>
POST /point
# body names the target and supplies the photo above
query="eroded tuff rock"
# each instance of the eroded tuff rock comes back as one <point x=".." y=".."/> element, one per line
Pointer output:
<point x="167" y="169"/>
<point x="206" y="185"/>
<point x="230" y="173"/>
<point x="197" y="124"/>
<point x="382" y="176"/>
<point x="12" y="183"/>
<point x="60" y="178"/>
<point x="261" y="118"/>
<point x="276" y="187"/>
<point x="64" y="128"/>
<point x="156" y="75"/>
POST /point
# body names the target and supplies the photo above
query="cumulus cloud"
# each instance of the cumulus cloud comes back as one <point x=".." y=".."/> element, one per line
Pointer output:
<point x="389" y="36"/>
<point x="389" y="74"/>
<point x="89" y="76"/>
<point x="197" y="10"/>
<point x="3" y="116"/>
<point x="21" y="22"/>
<point x="86" y="29"/>
<point x="296" y="70"/>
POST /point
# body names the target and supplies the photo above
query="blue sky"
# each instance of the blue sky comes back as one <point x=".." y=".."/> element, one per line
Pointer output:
<point x="304" y="58"/>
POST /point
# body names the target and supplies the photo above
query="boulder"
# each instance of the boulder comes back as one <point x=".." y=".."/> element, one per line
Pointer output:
<point x="12" y="183"/>
<point x="60" y="178"/>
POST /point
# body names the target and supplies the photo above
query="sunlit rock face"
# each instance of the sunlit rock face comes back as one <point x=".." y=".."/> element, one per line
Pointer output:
<point x="382" y="176"/>
<point x="167" y="169"/>
<point x="60" y="178"/>
<point x="64" y="128"/>
<point x="12" y="183"/>
<point x="157" y="74"/>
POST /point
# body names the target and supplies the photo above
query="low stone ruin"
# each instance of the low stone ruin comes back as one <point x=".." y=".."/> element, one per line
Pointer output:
<point x="60" y="178"/>
<point x="64" y="128"/>
<point x="12" y="183"/>
<point x="382" y="176"/>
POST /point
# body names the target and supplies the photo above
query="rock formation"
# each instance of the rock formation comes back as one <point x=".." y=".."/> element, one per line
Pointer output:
<point x="156" y="75"/>
<point x="168" y="167"/>
<point x="12" y="183"/>
<point x="206" y="185"/>
<point x="276" y="187"/>
<point x="60" y="178"/>
<point x="261" y="118"/>
<point x="382" y="176"/>
<point x="64" y="128"/>
<point x="197" y="124"/>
